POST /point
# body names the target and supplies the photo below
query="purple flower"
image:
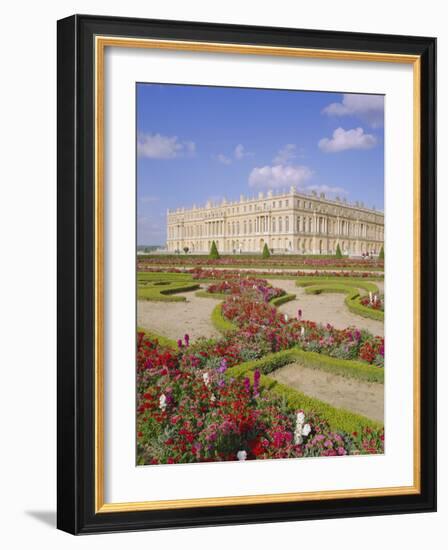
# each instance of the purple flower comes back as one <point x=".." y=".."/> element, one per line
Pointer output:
<point x="247" y="384"/>
<point x="299" y="314"/>
<point x="223" y="365"/>
<point x="187" y="340"/>
<point x="148" y="364"/>
<point x="179" y="343"/>
<point x="257" y="376"/>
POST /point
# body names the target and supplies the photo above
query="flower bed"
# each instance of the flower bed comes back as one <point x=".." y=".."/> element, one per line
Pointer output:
<point x="189" y="411"/>
<point x="252" y="288"/>
<point x="261" y="322"/>
<point x="373" y="301"/>
<point x="257" y="261"/>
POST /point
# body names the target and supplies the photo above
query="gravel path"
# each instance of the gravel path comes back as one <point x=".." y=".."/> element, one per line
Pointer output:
<point x="325" y="308"/>
<point x="364" y="398"/>
<point x="175" y="319"/>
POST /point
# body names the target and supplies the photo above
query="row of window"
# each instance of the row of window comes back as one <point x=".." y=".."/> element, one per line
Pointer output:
<point x="304" y="224"/>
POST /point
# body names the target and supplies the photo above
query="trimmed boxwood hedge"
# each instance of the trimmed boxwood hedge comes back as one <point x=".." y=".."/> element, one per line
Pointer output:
<point x="318" y="285"/>
<point x="355" y="306"/>
<point x="163" y="340"/>
<point x="165" y="293"/>
<point x="282" y="299"/>
<point x="338" y="419"/>
<point x="310" y="359"/>
<point x="215" y="295"/>
<point x="219" y="322"/>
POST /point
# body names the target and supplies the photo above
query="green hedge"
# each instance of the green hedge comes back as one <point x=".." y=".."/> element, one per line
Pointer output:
<point x="163" y="340"/>
<point x="282" y="299"/>
<point x="352" y="282"/>
<point x="162" y="287"/>
<point x="165" y="293"/>
<point x="215" y="295"/>
<point x="219" y="322"/>
<point x="355" y="306"/>
<point x="348" y="286"/>
<point x="311" y="359"/>
<point x="338" y="419"/>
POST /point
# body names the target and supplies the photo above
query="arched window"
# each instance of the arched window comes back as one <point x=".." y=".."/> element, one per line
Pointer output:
<point x="287" y="223"/>
<point x="273" y="225"/>
<point x="250" y="226"/>
<point x="245" y="227"/>
<point x="298" y="224"/>
<point x="280" y="229"/>
<point x="237" y="228"/>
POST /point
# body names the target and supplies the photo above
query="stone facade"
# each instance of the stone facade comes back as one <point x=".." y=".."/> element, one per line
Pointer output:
<point x="291" y="222"/>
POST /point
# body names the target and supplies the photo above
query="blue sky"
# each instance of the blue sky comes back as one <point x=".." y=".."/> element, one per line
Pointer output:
<point x="196" y="143"/>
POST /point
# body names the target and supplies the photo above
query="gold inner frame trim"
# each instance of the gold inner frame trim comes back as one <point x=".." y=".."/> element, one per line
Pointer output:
<point x="101" y="42"/>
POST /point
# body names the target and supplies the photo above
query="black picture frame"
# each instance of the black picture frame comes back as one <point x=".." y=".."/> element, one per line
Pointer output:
<point x="76" y="255"/>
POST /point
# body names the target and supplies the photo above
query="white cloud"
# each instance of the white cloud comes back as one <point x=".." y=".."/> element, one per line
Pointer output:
<point x="343" y="140"/>
<point x="279" y="175"/>
<point x="287" y="153"/>
<point x="156" y="146"/>
<point x="369" y="108"/>
<point x="222" y="158"/>
<point x="240" y="152"/>
<point x="327" y="189"/>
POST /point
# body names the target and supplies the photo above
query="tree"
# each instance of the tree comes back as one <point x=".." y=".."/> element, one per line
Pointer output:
<point x="266" y="253"/>
<point x="214" y="254"/>
<point x="186" y="249"/>
<point x="381" y="255"/>
<point x="338" y="252"/>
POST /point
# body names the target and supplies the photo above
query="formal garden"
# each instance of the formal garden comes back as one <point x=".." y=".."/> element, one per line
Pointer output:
<point x="261" y="379"/>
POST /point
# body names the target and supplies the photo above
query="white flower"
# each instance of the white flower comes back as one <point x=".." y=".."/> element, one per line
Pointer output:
<point x="300" y="429"/>
<point x="206" y="379"/>
<point x="370" y="297"/>
<point x="241" y="455"/>
<point x="286" y="318"/>
<point x="306" y="430"/>
<point x="212" y="398"/>
<point x="302" y="332"/>
<point x="162" y="402"/>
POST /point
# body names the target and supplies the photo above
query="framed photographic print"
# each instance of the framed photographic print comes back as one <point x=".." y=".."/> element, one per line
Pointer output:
<point x="246" y="274"/>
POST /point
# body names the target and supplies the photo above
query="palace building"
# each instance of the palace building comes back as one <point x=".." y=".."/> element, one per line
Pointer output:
<point x="289" y="222"/>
